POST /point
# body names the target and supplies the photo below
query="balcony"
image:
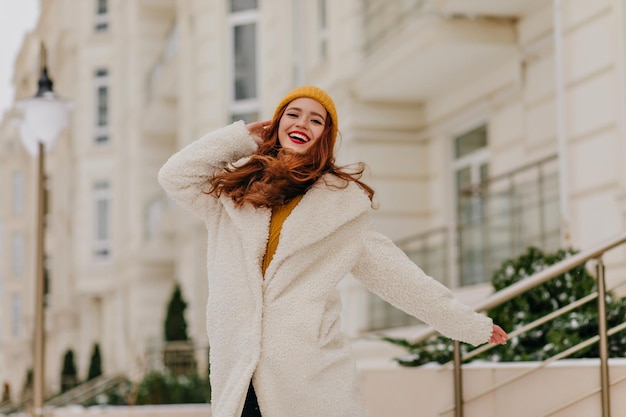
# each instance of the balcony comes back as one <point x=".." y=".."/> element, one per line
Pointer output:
<point x="415" y="51"/>
<point x="496" y="8"/>
<point x="496" y="220"/>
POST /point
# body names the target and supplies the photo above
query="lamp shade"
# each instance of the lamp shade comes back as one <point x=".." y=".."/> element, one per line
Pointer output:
<point x="43" y="118"/>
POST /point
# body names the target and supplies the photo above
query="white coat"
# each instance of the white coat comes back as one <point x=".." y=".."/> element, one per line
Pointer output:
<point x="282" y="330"/>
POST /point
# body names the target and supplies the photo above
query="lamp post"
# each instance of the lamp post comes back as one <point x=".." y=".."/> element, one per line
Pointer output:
<point x="43" y="118"/>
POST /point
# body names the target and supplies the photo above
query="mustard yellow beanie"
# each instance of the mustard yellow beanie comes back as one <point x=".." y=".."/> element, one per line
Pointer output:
<point x="317" y="94"/>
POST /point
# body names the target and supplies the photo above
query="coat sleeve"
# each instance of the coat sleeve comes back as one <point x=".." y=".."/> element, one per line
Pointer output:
<point x="386" y="271"/>
<point x="186" y="174"/>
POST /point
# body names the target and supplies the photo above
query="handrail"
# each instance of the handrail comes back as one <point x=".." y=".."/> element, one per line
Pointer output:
<point x="532" y="325"/>
<point x="535" y="280"/>
<point x="87" y="390"/>
<point x="569" y="351"/>
<point x="539" y="278"/>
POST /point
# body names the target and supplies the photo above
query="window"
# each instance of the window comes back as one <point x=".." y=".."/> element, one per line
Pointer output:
<point x="242" y="5"/>
<point x="102" y="15"/>
<point x="101" y="94"/>
<point x="243" y="21"/>
<point x="323" y="30"/>
<point x="297" y="43"/>
<point x="471" y="170"/>
<point x="17" y="253"/>
<point x="102" y="219"/>
<point x="17" y="185"/>
<point x="153" y="214"/>
<point x="16" y="315"/>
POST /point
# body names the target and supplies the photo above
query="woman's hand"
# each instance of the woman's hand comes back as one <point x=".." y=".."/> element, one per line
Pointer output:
<point x="257" y="130"/>
<point x="498" y="335"/>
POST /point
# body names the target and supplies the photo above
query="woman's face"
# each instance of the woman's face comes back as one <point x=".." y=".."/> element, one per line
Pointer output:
<point x="302" y="124"/>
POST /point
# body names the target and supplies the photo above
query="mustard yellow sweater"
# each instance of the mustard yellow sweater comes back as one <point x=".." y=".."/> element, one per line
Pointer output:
<point x="279" y="214"/>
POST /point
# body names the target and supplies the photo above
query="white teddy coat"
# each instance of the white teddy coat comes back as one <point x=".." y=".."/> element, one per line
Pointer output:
<point x="282" y="330"/>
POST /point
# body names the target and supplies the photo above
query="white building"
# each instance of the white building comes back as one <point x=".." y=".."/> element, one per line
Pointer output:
<point x="488" y="126"/>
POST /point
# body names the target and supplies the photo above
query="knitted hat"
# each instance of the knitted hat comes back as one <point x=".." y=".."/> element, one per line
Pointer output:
<point x="317" y="94"/>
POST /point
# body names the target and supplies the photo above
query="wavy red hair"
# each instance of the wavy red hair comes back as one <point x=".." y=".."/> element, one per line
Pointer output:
<point x="274" y="175"/>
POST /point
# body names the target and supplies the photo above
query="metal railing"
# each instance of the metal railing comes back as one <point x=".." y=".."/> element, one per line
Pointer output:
<point x="498" y="219"/>
<point x="177" y="358"/>
<point x="503" y="215"/>
<point x="527" y="284"/>
<point x="77" y="395"/>
<point x="429" y="250"/>
<point x="87" y="390"/>
<point x="511" y="212"/>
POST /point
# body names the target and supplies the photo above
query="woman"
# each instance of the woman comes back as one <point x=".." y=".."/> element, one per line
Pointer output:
<point x="285" y="225"/>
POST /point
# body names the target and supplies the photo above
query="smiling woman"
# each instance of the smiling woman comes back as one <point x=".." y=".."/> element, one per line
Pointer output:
<point x="285" y="225"/>
<point x="302" y="124"/>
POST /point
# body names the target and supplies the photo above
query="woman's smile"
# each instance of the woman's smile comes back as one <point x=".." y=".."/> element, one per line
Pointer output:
<point x="299" y="137"/>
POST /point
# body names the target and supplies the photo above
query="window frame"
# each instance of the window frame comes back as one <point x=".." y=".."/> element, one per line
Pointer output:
<point x="249" y="108"/>
<point x="101" y="82"/>
<point x="474" y="161"/>
<point x="101" y="229"/>
<point x="101" y="17"/>
<point x="322" y="30"/>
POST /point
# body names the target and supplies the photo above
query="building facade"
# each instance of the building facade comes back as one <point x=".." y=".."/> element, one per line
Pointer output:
<point x="487" y="126"/>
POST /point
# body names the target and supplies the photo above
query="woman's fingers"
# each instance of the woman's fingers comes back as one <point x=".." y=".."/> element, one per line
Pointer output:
<point x="257" y="130"/>
<point x="498" y="335"/>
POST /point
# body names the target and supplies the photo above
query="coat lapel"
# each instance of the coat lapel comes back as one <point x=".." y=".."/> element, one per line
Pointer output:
<point x="252" y="224"/>
<point x="322" y="210"/>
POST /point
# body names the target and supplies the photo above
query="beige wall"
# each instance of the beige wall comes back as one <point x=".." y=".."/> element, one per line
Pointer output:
<point x="427" y="390"/>
<point x="406" y="141"/>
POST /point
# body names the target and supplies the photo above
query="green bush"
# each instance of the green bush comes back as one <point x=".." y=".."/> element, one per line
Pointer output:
<point x="69" y="374"/>
<point x="175" y="326"/>
<point x="95" y="364"/>
<point x="548" y="339"/>
<point x="164" y="388"/>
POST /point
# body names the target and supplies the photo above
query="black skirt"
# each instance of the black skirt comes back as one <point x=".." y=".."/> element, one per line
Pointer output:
<point x="251" y="406"/>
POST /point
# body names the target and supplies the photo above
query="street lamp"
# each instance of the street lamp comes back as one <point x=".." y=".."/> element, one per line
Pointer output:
<point x="43" y="117"/>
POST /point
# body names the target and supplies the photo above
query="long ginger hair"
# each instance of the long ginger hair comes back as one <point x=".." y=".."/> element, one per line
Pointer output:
<point x="273" y="175"/>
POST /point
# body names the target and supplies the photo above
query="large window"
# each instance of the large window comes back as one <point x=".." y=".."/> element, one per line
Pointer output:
<point x="17" y="186"/>
<point x="102" y="15"/>
<point x="17" y="253"/>
<point x="297" y="42"/>
<point x="243" y="5"/>
<point x="499" y="216"/>
<point x="153" y="215"/>
<point x="101" y="104"/>
<point x="471" y="169"/>
<point x="243" y="19"/>
<point x="102" y="219"/>
<point x="322" y="29"/>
